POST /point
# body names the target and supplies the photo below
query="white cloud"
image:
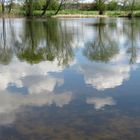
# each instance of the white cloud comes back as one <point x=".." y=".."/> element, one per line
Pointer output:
<point x="48" y="84"/>
<point x="41" y="87"/>
<point x="103" y="76"/>
<point x="10" y="104"/>
<point x="15" y="71"/>
<point x="100" y="103"/>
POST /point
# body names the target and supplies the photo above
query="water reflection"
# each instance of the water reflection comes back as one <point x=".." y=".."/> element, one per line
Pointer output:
<point x="103" y="47"/>
<point x="35" y="45"/>
<point x="103" y="76"/>
<point x="5" y="48"/>
<point x="100" y="103"/>
<point x="64" y="77"/>
<point x="132" y="30"/>
<point x="112" y="49"/>
<point x="37" y="41"/>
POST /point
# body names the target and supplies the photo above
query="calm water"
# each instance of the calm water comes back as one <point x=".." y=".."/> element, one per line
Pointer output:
<point x="70" y="79"/>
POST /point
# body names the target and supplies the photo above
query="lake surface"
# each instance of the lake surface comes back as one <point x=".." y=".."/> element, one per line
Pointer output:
<point x="70" y="79"/>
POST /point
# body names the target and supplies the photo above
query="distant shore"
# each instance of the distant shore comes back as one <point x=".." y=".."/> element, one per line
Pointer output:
<point x="94" y="14"/>
<point x="72" y="14"/>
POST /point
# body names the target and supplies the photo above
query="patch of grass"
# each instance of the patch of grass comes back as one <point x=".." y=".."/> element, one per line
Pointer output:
<point x="137" y="14"/>
<point x="68" y="12"/>
<point x="115" y="13"/>
<point x="20" y="12"/>
<point x="78" y="12"/>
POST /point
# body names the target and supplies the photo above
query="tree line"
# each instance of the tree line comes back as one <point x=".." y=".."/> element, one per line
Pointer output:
<point x="29" y="6"/>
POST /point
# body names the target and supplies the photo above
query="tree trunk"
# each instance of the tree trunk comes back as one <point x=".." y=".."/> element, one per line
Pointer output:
<point x="3" y="6"/>
<point x="10" y="6"/>
<point x="29" y="8"/>
<point x="46" y="7"/>
<point x="132" y="9"/>
<point x="101" y="12"/>
<point x="60" y="5"/>
<point x="101" y="4"/>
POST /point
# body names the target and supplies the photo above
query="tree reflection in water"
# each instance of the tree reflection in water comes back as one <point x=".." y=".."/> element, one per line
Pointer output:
<point x="132" y="32"/>
<point x="39" y="41"/>
<point x="6" y="41"/>
<point x="103" y="47"/>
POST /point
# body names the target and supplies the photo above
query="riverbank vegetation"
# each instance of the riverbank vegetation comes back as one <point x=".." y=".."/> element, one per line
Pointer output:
<point x="44" y="8"/>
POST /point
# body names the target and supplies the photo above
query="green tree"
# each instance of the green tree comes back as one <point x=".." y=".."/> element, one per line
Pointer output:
<point x="47" y="3"/>
<point x="132" y="7"/>
<point x="60" y="5"/>
<point x="3" y="6"/>
<point x="112" y="5"/>
<point x="50" y="5"/>
<point x="100" y="4"/>
<point x="29" y="8"/>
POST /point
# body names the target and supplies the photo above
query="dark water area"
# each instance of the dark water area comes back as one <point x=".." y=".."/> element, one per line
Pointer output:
<point x="70" y="79"/>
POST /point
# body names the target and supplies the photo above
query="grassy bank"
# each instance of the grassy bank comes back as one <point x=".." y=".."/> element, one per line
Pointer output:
<point x="74" y="13"/>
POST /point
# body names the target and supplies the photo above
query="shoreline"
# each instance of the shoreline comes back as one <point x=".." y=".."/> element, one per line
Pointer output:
<point x="66" y="16"/>
<point x="79" y="16"/>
